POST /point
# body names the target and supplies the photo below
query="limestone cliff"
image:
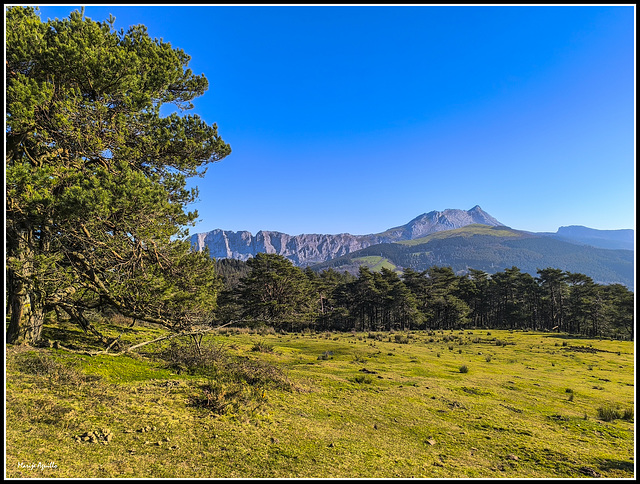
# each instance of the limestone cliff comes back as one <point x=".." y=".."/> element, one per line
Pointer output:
<point x="307" y="249"/>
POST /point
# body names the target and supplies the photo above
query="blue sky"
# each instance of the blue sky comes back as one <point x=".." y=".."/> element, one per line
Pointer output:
<point x="360" y="118"/>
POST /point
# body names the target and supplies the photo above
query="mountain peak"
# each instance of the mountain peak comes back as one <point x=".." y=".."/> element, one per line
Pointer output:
<point x="308" y="249"/>
<point x="450" y="218"/>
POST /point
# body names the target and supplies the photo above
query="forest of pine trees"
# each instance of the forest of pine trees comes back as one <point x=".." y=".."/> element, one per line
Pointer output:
<point x="270" y="290"/>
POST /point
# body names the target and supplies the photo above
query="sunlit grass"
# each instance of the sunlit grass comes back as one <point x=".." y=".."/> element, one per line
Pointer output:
<point x="376" y="406"/>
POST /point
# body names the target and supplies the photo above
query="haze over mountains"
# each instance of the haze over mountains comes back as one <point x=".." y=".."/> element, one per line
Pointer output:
<point x="606" y="239"/>
<point x="460" y="239"/>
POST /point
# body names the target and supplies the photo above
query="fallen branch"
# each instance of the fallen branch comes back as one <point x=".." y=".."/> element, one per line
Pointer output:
<point x="161" y="338"/>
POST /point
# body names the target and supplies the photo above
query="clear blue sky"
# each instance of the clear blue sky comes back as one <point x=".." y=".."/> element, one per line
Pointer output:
<point x="359" y="118"/>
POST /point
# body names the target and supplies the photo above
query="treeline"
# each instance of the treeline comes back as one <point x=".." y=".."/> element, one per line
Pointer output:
<point x="269" y="289"/>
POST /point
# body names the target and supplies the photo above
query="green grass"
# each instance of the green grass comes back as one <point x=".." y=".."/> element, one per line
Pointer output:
<point x="466" y="231"/>
<point x="375" y="262"/>
<point x="375" y="407"/>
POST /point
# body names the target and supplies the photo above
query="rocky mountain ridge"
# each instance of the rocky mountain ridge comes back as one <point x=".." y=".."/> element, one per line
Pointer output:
<point x="308" y="249"/>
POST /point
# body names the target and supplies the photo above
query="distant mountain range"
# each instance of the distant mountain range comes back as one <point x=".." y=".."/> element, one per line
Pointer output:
<point x="605" y="239"/>
<point x="455" y="238"/>
<point x="308" y="249"/>
<point x="492" y="249"/>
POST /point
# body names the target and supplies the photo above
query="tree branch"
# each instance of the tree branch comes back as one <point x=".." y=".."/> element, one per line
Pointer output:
<point x="161" y="338"/>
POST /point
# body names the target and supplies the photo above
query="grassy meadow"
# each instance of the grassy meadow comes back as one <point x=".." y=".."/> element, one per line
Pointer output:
<point x="261" y="404"/>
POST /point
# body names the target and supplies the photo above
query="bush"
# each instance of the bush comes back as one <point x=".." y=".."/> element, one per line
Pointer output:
<point x="262" y="347"/>
<point x="363" y="379"/>
<point x="608" y="413"/>
<point x="221" y="398"/>
<point x="358" y="358"/>
<point x="464" y="369"/>
<point x="191" y="359"/>
<point x="216" y="364"/>
<point x="265" y="330"/>
<point x="399" y="338"/>
<point x="57" y="372"/>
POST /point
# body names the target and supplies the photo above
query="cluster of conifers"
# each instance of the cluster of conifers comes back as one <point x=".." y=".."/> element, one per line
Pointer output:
<point x="269" y="289"/>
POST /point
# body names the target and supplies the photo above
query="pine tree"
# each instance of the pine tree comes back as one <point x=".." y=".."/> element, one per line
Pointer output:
<point x="96" y="176"/>
<point x="275" y="292"/>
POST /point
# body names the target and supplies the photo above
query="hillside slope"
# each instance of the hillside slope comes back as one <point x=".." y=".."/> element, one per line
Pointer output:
<point x="493" y="249"/>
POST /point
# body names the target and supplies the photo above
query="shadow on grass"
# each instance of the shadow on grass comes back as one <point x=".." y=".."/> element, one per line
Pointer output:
<point x="612" y="464"/>
<point x="71" y="337"/>
<point x="579" y="336"/>
<point x="567" y="336"/>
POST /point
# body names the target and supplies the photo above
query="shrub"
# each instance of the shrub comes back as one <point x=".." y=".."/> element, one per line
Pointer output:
<point x="487" y="358"/>
<point x="399" y="338"/>
<point x="192" y="359"/>
<point x="358" y="358"/>
<point x="464" y="369"/>
<point x="57" y="372"/>
<point x="262" y="347"/>
<point x="363" y="379"/>
<point x="217" y="397"/>
<point x="608" y="413"/>
<point x="216" y="364"/>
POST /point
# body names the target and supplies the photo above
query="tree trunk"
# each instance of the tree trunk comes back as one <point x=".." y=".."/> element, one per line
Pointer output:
<point x="27" y="318"/>
<point x="26" y="303"/>
<point x="17" y="300"/>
